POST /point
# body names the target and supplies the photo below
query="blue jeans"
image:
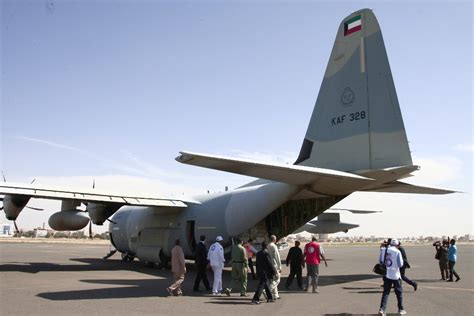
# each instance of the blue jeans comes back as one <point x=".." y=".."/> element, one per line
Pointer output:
<point x="387" y="285"/>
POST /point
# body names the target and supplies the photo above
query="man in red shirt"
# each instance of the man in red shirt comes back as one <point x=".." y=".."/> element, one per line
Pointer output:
<point x="313" y="253"/>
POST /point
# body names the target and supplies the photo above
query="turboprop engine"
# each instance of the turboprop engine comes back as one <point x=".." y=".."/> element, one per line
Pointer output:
<point x="99" y="213"/>
<point x="13" y="204"/>
<point x="69" y="218"/>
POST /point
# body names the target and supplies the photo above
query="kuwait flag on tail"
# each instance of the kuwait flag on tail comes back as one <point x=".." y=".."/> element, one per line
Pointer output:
<point x="353" y="25"/>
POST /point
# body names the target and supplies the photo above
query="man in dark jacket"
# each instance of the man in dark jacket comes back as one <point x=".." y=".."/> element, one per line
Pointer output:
<point x="405" y="266"/>
<point x="201" y="265"/>
<point x="295" y="260"/>
<point x="265" y="271"/>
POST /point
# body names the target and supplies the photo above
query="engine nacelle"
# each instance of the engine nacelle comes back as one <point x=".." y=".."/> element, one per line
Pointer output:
<point x="13" y="204"/>
<point x="68" y="220"/>
<point x="100" y="212"/>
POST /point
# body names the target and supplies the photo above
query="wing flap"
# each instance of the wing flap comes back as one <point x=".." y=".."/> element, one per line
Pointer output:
<point x="320" y="180"/>
<point x="60" y="194"/>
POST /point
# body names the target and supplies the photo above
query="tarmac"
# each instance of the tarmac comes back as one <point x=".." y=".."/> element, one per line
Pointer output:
<point x="73" y="279"/>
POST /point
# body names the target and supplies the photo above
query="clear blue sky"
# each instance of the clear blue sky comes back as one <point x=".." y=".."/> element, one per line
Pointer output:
<point x="105" y="89"/>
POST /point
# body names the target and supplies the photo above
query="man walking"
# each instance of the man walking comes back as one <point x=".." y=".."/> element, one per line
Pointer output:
<point x="265" y="272"/>
<point x="178" y="267"/>
<point x="275" y="256"/>
<point x="405" y="266"/>
<point x="295" y="260"/>
<point x="239" y="268"/>
<point x="313" y="253"/>
<point x="393" y="260"/>
<point x="216" y="260"/>
<point x="201" y="263"/>
<point x="452" y="258"/>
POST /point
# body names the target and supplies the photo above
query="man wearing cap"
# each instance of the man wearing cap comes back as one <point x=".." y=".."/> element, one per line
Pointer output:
<point x="216" y="260"/>
<point x="393" y="261"/>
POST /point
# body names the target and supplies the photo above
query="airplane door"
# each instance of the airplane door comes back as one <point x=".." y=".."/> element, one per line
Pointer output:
<point x="190" y="236"/>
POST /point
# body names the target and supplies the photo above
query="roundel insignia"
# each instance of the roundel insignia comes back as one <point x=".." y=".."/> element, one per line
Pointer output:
<point x="213" y="247"/>
<point x="310" y="249"/>
<point x="347" y="97"/>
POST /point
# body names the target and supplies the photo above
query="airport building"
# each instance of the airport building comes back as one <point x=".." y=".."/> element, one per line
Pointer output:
<point x="6" y="230"/>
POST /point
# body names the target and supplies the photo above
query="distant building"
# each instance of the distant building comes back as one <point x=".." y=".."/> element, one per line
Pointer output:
<point x="40" y="232"/>
<point x="6" y="230"/>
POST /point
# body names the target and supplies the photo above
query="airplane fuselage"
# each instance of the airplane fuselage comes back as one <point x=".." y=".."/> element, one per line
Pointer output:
<point x="254" y="210"/>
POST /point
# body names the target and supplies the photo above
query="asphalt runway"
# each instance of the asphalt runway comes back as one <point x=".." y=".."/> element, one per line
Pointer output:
<point x="72" y="279"/>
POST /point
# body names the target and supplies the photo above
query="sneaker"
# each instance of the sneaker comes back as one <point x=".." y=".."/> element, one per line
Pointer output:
<point x="270" y="300"/>
<point x="316" y="291"/>
<point x="227" y="292"/>
<point x="402" y="312"/>
<point x="255" y="302"/>
<point x="381" y="312"/>
<point x="450" y="280"/>
<point x="216" y="293"/>
<point x="415" y="286"/>
<point x="457" y="279"/>
<point x="244" y="294"/>
<point x="170" y="292"/>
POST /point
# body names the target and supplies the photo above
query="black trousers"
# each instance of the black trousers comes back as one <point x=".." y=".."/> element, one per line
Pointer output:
<point x="295" y="270"/>
<point x="201" y="275"/>
<point x="451" y="270"/>
<point x="405" y="278"/>
<point x="262" y="285"/>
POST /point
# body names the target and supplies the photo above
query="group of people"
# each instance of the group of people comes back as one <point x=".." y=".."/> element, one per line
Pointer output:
<point x="268" y="263"/>
<point x="446" y="254"/>
<point x="394" y="257"/>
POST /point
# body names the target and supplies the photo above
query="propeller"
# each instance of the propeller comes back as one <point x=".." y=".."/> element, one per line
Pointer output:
<point x="29" y="207"/>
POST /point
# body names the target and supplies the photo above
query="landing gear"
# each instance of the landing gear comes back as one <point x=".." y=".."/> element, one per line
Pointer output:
<point x="164" y="261"/>
<point x="127" y="257"/>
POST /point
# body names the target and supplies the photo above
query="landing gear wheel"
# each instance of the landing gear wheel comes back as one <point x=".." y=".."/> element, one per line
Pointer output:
<point x="127" y="257"/>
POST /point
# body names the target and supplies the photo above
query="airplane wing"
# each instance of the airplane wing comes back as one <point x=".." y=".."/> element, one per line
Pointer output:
<point x="325" y="181"/>
<point x="42" y="192"/>
<point x="402" y="187"/>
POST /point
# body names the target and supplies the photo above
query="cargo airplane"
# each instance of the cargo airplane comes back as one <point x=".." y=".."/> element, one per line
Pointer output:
<point x="355" y="142"/>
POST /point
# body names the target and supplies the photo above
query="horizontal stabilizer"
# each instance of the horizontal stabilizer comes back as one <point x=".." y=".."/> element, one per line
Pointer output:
<point x="401" y="187"/>
<point x="354" y="211"/>
<point x="325" y="181"/>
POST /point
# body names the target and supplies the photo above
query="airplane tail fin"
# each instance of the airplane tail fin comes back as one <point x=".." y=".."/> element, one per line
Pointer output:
<point x="356" y="123"/>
